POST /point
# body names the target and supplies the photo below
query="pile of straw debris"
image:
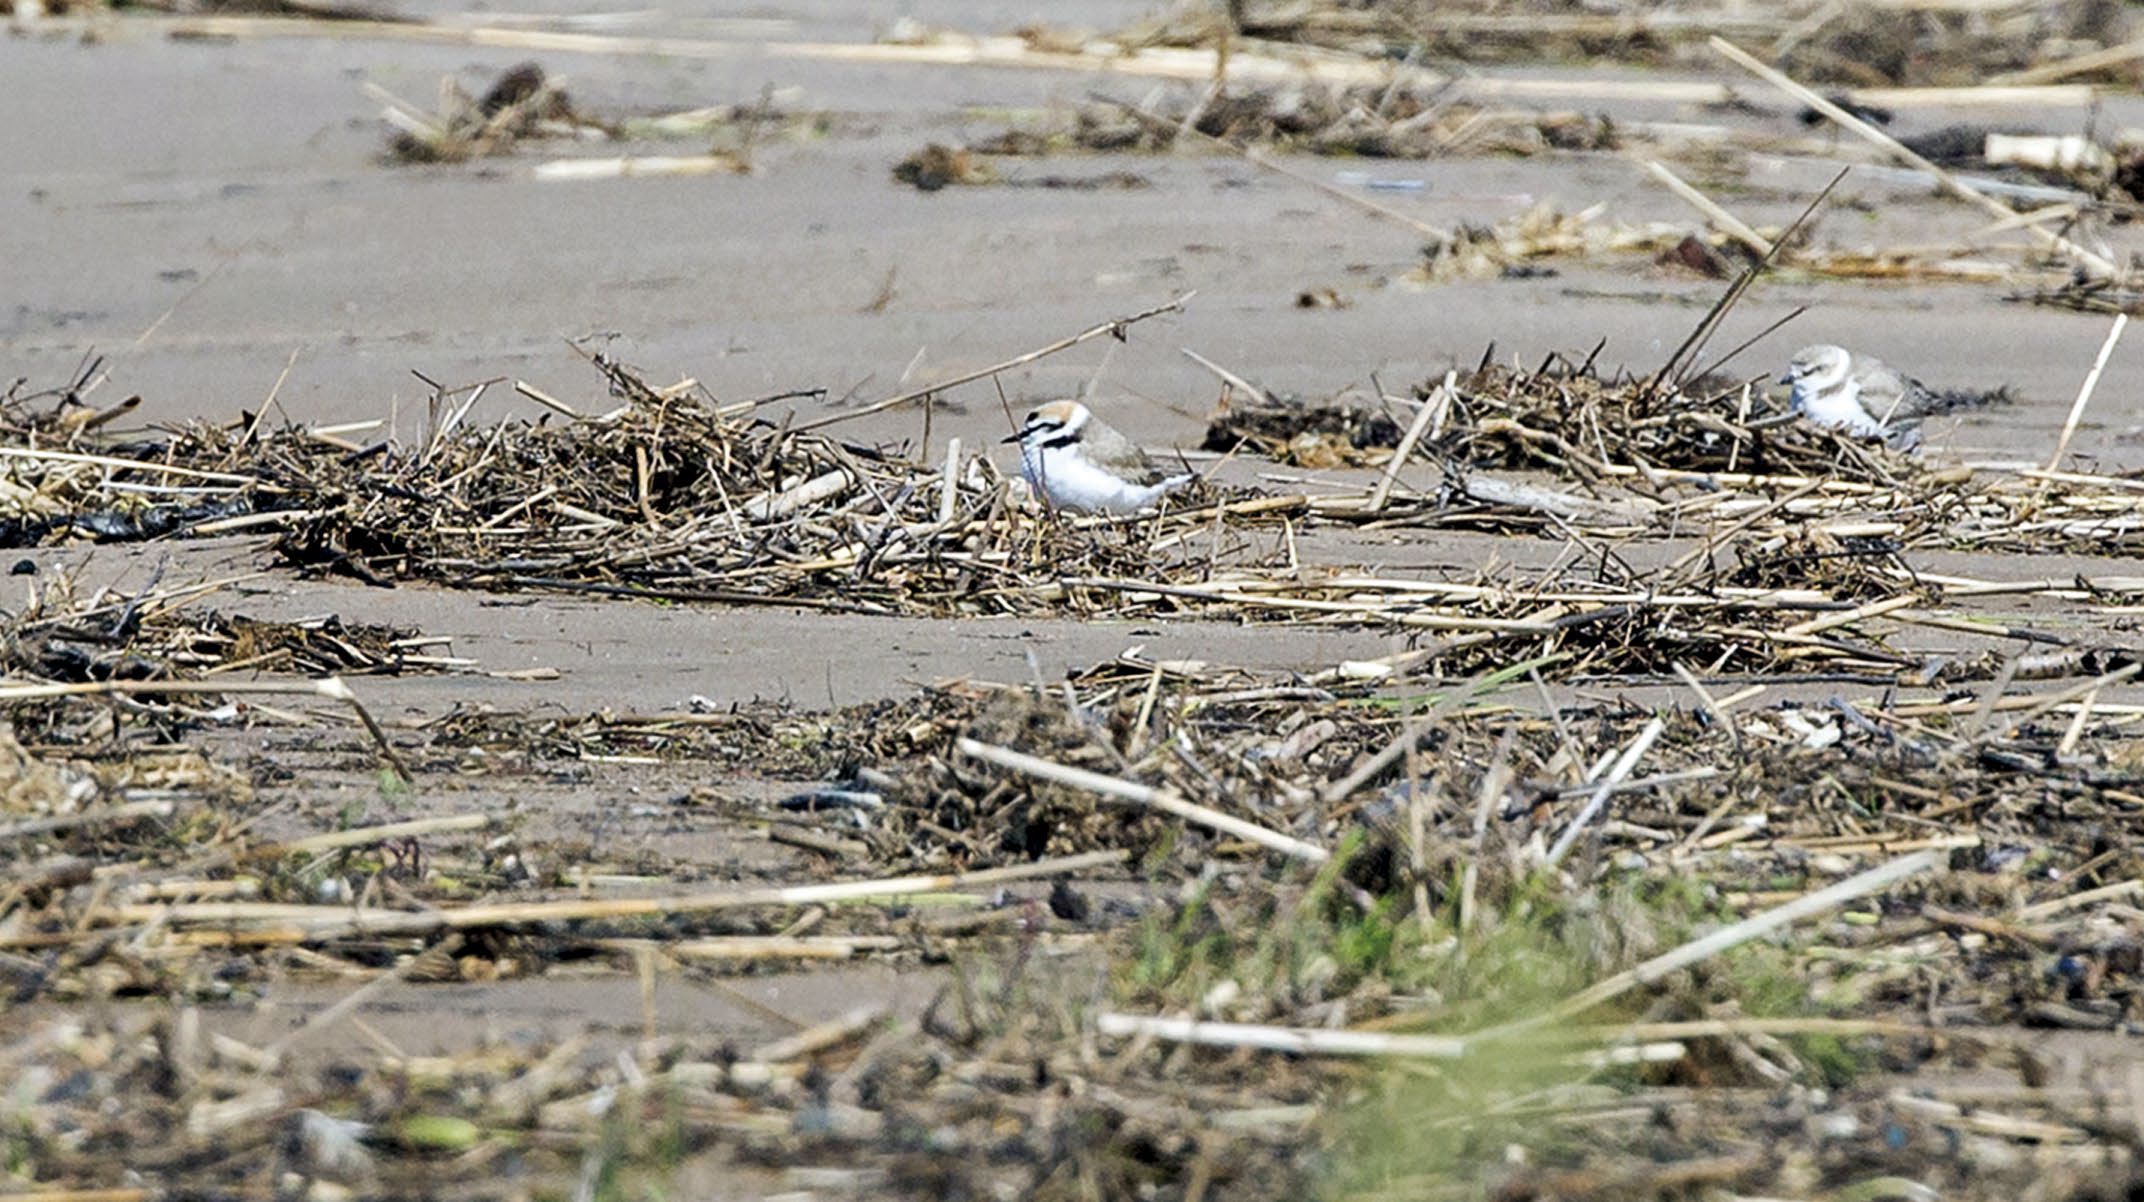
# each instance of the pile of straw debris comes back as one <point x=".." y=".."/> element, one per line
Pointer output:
<point x="1852" y="44"/>
<point x="525" y="105"/>
<point x="672" y="495"/>
<point x="1316" y="118"/>
<point x="1702" y="938"/>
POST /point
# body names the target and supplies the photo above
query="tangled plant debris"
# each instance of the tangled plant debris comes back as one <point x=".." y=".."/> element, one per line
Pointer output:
<point x="1855" y="44"/>
<point x="1475" y="882"/>
<point x="525" y="105"/>
<point x="1334" y="119"/>
<point x="1180" y="911"/>
<point x="1727" y="848"/>
<point x="671" y="494"/>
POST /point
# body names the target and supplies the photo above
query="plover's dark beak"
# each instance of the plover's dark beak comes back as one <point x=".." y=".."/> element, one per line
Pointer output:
<point x="1786" y="377"/>
<point x="1013" y="437"/>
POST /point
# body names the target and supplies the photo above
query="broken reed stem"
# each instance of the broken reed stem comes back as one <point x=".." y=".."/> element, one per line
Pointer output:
<point x="1158" y="799"/>
<point x="309" y="924"/>
<point x="1699" y="556"/>
<point x="1623" y="766"/>
<point x="2095" y="60"/>
<point x="253" y="427"/>
<point x="1405" y="451"/>
<point x="949" y="491"/>
<point x="2044" y="704"/>
<point x="330" y="687"/>
<point x="132" y="811"/>
<point x="1873" y="609"/>
<point x="1293" y="1040"/>
<point x="1251" y="392"/>
<point x="1706" y="326"/>
<point x="2086" y="897"/>
<point x="1194" y="65"/>
<point x="1390" y="754"/>
<point x="1489" y="791"/>
<point x="1701" y="1028"/>
<point x="1114" y="327"/>
<point x="129" y="465"/>
<point x="349" y="1003"/>
<point x="779" y="947"/>
<point x="1718" y="215"/>
<point x="2084" y="394"/>
<point x="548" y="401"/>
<point x="1951" y="183"/>
<point x="1733" y="935"/>
<point x="1711" y="704"/>
<point x="85" y="1195"/>
<point x="1643" y="783"/>
<point x="1437" y="237"/>
<point x="2075" y="734"/>
<point x="363" y="835"/>
<point x="832" y="1033"/>
<point x="1322" y="1041"/>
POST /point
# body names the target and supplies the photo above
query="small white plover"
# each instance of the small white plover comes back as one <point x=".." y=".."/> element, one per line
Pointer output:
<point x="1859" y="394"/>
<point x="1077" y="462"/>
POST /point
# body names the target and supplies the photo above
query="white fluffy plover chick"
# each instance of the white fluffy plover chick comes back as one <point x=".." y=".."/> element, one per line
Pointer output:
<point x="1075" y="461"/>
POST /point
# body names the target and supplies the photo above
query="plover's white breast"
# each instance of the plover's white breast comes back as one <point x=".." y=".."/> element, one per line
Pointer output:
<point x="1838" y="407"/>
<point x="1073" y="481"/>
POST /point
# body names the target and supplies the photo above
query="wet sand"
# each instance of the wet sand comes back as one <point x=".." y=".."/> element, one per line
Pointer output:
<point x="202" y="212"/>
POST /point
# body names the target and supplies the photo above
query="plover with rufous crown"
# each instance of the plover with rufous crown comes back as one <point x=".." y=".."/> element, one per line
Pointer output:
<point x="1075" y="461"/>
